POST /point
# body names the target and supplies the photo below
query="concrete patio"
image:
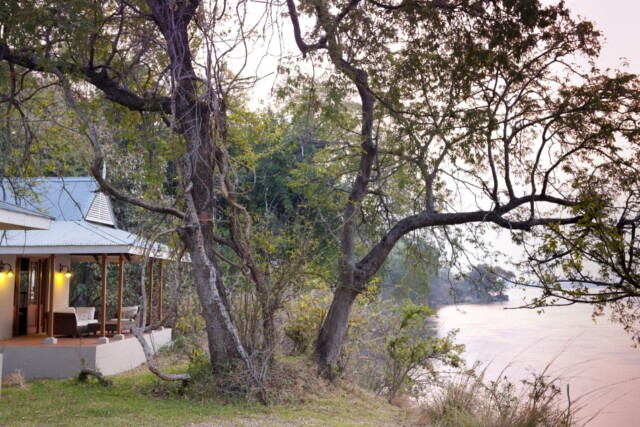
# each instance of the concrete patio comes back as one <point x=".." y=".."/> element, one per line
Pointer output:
<point x="36" y="359"/>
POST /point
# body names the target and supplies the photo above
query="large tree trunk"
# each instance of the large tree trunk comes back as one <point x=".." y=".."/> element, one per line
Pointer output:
<point x="195" y="105"/>
<point x="333" y="332"/>
<point x="221" y="345"/>
<point x="352" y="281"/>
<point x="268" y="306"/>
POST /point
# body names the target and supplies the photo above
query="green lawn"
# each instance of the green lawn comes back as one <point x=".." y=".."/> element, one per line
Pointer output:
<point x="132" y="402"/>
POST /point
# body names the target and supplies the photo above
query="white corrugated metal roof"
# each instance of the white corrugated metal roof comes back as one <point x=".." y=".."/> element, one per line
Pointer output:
<point x="69" y="202"/>
<point x="14" y="217"/>
<point x="77" y="237"/>
<point x="18" y="209"/>
<point x="64" y="199"/>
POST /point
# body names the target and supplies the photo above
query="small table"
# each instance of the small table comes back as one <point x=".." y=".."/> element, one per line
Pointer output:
<point x="110" y="326"/>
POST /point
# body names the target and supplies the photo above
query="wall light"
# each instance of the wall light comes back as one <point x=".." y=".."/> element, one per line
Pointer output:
<point x="5" y="268"/>
<point x="64" y="269"/>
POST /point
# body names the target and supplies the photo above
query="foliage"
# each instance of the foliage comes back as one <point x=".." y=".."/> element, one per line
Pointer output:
<point x="189" y="322"/>
<point x="393" y="349"/>
<point x="471" y="113"/>
<point x="408" y="271"/>
<point x="431" y="120"/>
<point x="469" y="399"/>
<point x="288" y="239"/>
<point x="305" y="315"/>
<point x="90" y="375"/>
<point x="86" y="285"/>
<point x="33" y="144"/>
<point x="225" y="384"/>
<point x="413" y="350"/>
<point x="595" y="262"/>
<point x="188" y="330"/>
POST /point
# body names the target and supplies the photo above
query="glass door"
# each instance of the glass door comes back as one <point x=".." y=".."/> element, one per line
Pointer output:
<point x="31" y="286"/>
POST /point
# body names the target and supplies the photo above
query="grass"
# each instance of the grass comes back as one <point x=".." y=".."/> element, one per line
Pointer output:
<point x="138" y="399"/>
<point x="298" y="396"/>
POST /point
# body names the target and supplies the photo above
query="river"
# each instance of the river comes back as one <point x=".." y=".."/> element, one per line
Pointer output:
<point x="597" y="359"/>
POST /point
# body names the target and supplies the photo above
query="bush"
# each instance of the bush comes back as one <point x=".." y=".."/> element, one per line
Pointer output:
<point x="413" y="349"/>
<point x="466" y="399"/>
<point x="393" y="350"/>
<point x="306" y="315"/>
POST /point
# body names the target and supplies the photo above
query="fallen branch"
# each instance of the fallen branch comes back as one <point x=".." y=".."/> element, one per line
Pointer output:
<point x="86" y="373"/>
<point x="153" y="364"/>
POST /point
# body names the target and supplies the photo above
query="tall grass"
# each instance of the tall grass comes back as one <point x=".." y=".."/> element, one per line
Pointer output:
<point x="469" y="399"/>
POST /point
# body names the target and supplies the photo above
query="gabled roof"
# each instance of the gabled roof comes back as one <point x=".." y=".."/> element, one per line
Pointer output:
<point x="83" y="222"/>
<point x="77" y="238"/>
<point x="14" y="217"/>
<point x="64" y="199"/>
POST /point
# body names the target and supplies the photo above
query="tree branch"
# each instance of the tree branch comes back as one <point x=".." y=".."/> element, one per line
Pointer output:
<point x="98" y="79"/>
<point x="297" y="34"/>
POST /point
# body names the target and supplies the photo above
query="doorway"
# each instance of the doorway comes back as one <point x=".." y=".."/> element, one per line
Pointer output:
<point x="31" y="296"/>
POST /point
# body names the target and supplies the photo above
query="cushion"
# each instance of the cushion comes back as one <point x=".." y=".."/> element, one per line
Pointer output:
<point x="85" y="313"/>
<point x="129" y="312"/>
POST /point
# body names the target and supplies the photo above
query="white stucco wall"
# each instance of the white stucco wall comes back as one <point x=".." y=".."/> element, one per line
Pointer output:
<point x="6" y="299"/>
<point x="7" y="289"/>
<point x="61" y="283"/>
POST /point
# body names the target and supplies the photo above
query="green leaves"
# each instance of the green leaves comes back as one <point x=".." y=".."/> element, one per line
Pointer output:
<point x="412" y="347"/>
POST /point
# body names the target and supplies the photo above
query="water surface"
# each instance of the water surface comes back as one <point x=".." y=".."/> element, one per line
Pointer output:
<point x="597" y="360"/>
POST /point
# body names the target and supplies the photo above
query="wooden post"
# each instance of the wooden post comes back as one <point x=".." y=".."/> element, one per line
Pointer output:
<point x="159" y="289"/>
<point x="103" y="314"/>
<point x="120" y="291"/>
<point x="1" y="356"/>
<point x="150" y="302"/>
<point x="16" y="296"/>
<point x="52" y="273"/>
<point x="40" y="292"/>
<point x="50" y="339"/>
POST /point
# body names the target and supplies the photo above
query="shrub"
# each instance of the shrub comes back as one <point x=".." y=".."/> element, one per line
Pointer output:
<point x="413" y="349"/>
<point x="467" y="399"/>
<point x="393" y="350"/>
<point x="305" y="318"/>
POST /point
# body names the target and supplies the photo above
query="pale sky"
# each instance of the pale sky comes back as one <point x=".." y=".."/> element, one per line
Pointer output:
<point x="619" y="21"/>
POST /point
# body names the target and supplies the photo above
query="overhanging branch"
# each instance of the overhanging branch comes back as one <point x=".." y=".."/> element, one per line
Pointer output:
<point x="98" y="79"/>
